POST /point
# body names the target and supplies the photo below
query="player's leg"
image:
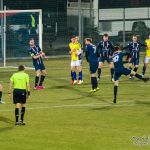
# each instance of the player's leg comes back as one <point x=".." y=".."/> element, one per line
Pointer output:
<point x="73" y="69"/>
<point x="116" y="83"/>
<point x="146" y="60"/>
<point x="130" y="67"/>
<point x="111" y="66"/>
<point x="93" y="69"/>
<point x="23" y="109"/>
<point x="79" y="68"/>
<point x="43" y="75"/>
<point x="101" y="63"/>
<point x="1" y="93"/>
<point x="38" y="73"/>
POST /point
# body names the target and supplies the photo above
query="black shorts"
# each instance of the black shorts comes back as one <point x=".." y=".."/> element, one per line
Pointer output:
<point x="19" y="96"/>
<point x="93" y="67"/>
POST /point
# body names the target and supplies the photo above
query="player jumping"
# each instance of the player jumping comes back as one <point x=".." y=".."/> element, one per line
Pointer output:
<point x="37" y="56"/>
<point x="106" y="50"/>
<point x="147" y="55"/>
<point x="121" y="70"/>
<point x="92" y="59"/>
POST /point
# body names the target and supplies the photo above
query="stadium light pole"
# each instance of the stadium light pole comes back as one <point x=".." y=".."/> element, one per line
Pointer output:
<point x="80" y="20"/>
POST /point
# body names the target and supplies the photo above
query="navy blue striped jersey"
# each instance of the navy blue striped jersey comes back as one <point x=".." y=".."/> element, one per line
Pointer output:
<point x="105" y="48"/>
<point x="91" y="53"/>
<point x="34" y="51"/>
<point x="118" y="59"/>
<point x="134" y="49"/>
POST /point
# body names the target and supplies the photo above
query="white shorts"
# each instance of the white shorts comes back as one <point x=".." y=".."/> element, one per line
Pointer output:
<point x="146" y="60"/>
<point x="75" y="63"/>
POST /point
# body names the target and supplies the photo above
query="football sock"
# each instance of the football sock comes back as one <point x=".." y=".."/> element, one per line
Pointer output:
<point x="135" y="69"/>
<point x="99" y="72"/>
<point x="36" y="81"/>
<point x="95" y="82"/>
<point x="17" y="114"/>
<point x="74" y="75"/>
<point x="22" y="113"/>
<point x="115" y="93"/>
<point x="92" y="82"/>
<point x="42" y="80"/>
<point x="0" y="95"/>
<point x="143" y="70"/>
<point x="139" y="76"/>
<point x="112" y="72"/>
<point x="80" y="75"/>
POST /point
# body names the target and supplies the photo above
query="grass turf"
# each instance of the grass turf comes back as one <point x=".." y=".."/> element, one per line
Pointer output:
<point x="66" y="117"/>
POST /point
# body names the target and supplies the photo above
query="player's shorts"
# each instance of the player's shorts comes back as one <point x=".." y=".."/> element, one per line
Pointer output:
<point x="93" y="67"/>
<point x="103" y="59"/>
<point x="75" y="63"/>
<point x="121" y="71"/>
<point x="39" y="66"/>
<point x="146" y="60"/>
<point x="134" y="61"/>
<point x="19" y="96"/>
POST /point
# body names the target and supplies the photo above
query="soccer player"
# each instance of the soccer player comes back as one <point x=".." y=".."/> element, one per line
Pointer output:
<point x="19" y="82"/>
<point x="75" y="51"/>
<point x="37" y="56"/>
<point x="134" y="53"/>
<point x="106" y="50"/>
<point x="92" y="58"/>
<point x="121" y="70"/>
<point x="1" y="92"/>
<point x="147" y="55"/>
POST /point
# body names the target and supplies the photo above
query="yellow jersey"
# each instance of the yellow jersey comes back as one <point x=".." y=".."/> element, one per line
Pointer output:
<point x="147" y="41"/>
<point x="75" y="47"/>
<point x="20" y="80"/>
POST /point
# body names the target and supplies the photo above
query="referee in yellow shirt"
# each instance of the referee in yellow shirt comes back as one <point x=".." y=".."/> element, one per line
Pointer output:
<point x="147" y="55"/>
<point x="19" y="82"/>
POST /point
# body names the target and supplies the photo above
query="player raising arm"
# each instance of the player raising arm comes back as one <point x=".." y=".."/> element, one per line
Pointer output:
<point x="92" y="59"/>
<point x="121" y="70"/>
<point x="37" y="56"/>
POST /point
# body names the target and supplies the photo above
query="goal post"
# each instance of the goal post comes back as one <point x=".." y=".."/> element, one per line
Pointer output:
<point x="17" y="27"/>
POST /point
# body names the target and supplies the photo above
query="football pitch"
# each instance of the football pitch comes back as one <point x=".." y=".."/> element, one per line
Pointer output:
<point x="67" y="117"/>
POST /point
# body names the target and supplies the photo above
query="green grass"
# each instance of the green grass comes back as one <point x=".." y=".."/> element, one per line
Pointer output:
<point x="66" y="117"/>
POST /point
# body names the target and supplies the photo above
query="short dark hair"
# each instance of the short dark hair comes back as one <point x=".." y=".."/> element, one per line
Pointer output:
<point x="117" y="47"/>
<point x="31" y="39"/>
<point x="88" y="39"/>
<point x="21" y="68"/>
<point x="106" y="35"/>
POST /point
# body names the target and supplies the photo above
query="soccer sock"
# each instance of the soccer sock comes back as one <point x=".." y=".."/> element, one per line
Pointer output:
<point x="22" y="113"/>
<point x="115" y="92"/>
<point x="143" y="70"/>
<point x="139" y="76"/>
<point x="99" y="72"/>
<point x="92" y="82"/>
<point x="80" y="75"/>
<point x="95" y="82"/>
<point x="17" y="114"/>
<point x="130" y="69"/>
<point x="135" y="69"/>
<point x="42" y="80"/>
<point x="74" y="75"/>
<point x="0" y="95"/>
<point x="112" y="72"/>
<point x="36" y="81"/>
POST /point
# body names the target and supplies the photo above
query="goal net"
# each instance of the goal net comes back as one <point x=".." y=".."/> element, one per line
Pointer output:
<point x="16" y="28"/>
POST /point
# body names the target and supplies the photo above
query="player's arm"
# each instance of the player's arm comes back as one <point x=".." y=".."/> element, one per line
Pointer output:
<point x="86" y="54"/>
<point x="10" y="88"/>
<point x="111" y="49"/>
<point x="28" y="86"/>
<point x="36" y="56"/>
<point x="99" y="49"/>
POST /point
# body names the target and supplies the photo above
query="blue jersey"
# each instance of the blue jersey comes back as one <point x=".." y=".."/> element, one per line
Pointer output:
<point x="134" y="49"/>
<point x="34" y="51"/>
<point x="118" y="59"/>
<point x="105" y="48"/>
<point x="91" y="53"/>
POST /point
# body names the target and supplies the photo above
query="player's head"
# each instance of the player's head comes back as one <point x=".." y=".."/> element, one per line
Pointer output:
<point x="117" y="48"/>
<point x="88" y="41"/>
<point x="77" y="39"/>
<point x="73" y="39"/>
<point x="149" y="36"/>
<point x="134" y="38"/>
<point x="105" y="37"/>
<point x="31" y="42"/>
<point x="21" y="68"/>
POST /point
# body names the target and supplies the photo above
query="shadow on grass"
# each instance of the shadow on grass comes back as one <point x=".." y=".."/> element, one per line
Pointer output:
<point x="143" y="102"/>
<point x="103" y="108"/>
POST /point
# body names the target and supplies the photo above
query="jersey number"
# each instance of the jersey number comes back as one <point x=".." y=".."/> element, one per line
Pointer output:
<point x="116" y="59"/>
